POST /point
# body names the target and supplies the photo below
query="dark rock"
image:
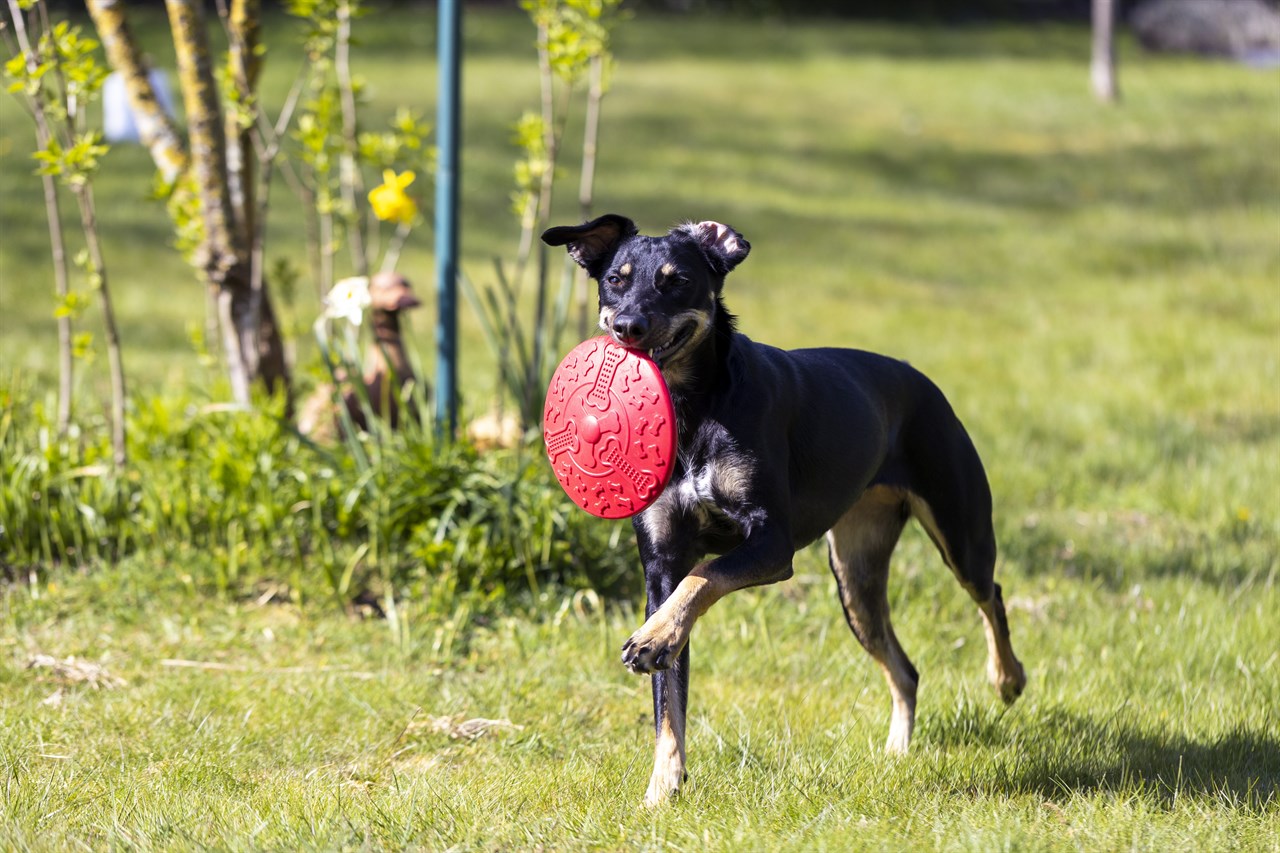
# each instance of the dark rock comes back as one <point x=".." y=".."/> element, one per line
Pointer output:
<point x="1234" y="28"/>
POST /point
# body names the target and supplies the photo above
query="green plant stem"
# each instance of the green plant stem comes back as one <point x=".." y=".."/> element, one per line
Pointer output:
<point x="586" y="185"/>
<point x="327" y="250"/>
<point x="57" y="244"/>
<point x="392" y="257"/>
<point x="546" y="184"/>
<point x="89" y="223"/>
<point x="351" y="181"/>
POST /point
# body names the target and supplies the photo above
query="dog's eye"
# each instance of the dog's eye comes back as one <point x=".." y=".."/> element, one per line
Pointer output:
<point x="613" y="279"/>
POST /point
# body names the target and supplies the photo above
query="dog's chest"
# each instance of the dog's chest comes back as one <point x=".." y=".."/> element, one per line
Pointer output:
<point x="704" y="496"/>
<point x="694" y="491"/>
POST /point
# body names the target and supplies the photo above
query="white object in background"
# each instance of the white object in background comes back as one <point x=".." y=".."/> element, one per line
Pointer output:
<point x="119" y="123"/>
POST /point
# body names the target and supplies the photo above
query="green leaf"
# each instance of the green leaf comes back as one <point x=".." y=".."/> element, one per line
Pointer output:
<point x="71" y="305"/>
<point x="16" y="66"/>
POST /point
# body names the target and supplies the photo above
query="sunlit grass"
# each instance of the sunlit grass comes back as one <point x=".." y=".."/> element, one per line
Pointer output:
<point x="1098" y="292"/>
<point x="1149" y="721"/>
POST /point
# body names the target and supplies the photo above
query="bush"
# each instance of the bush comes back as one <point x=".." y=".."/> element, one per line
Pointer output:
<point x="269" y="506"/>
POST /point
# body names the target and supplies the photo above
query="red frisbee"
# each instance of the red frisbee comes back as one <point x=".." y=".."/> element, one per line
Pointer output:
<point x="610" y="426"/>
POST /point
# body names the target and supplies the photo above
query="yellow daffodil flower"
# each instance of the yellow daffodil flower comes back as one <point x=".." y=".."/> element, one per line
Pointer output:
<point x="390" y="202"/>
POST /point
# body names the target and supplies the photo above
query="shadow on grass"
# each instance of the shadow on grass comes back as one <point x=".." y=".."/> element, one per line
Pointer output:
<point x="800" y="38"/>
<point x="1052" y="181"/>
<point x="1127" y="548"/>
<point x="1064" y="753"/>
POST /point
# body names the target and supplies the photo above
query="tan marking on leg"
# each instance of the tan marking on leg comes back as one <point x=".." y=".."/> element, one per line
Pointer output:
<point x="902" y="720"/>
<point x="664" y="634"/>
<point x="924" y="514"/>
<point x="668" y="755"/>
<point x="861" y="544"/>
<point x="1004" y="671"/>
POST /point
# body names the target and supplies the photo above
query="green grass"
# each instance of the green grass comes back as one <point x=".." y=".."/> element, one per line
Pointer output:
<point x="1150" y="723"/>
<point x="1097" y="290"/>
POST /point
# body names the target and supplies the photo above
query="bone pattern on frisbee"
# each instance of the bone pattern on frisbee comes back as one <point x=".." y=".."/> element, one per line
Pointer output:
<point x="606" y="428"/>
<point x="642" y="480"/>
<point x="599" y="394"/>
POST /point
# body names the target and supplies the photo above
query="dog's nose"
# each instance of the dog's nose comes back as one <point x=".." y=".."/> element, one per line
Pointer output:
<point x="630" y="328"/>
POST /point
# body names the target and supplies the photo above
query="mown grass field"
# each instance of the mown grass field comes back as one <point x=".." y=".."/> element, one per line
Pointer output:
<point x="1098" y="291"/>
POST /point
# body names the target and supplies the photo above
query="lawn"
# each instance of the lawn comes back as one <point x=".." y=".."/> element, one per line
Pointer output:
<point x="1096" y="289"/>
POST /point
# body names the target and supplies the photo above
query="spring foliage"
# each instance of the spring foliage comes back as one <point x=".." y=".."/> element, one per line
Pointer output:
<point x="269" y="505"/>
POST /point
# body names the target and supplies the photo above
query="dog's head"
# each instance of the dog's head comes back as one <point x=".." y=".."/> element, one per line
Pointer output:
<point x="659" y="294"/>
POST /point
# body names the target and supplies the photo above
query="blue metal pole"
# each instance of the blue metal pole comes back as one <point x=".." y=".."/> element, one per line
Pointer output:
<point x="448" y="120"/>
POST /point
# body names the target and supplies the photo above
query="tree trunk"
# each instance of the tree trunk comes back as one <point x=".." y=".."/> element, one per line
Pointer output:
<point x="244" y="65"/>
<point x="251" y="337"/>
<point x="156" y="130"/>
<point x="253" y="344"/>
<point x="1102" y="67"/>
<point x="249" y="195"/>
<point x="221" y="253"/>
<point x="66" y="361"/>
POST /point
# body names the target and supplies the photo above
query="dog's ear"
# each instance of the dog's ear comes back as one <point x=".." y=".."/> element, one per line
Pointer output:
<point x="724" y="247"/>
<point x="590" y="242"/>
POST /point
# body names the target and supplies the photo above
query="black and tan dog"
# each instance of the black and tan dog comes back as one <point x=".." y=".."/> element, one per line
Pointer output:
<point x="775" y="449"/>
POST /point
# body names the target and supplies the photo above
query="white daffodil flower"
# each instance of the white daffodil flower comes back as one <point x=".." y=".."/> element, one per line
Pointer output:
<point x="348" y="299"/>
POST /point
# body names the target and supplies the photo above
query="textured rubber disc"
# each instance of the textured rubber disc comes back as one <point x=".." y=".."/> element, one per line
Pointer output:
<point x="609" y="426"/>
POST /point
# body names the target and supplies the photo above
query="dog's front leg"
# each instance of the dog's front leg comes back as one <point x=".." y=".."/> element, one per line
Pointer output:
<point x="763" y="557"/>
<point x="667" y="559"/>
<point x="676" y="598"/>
<point x="670" y="705"/>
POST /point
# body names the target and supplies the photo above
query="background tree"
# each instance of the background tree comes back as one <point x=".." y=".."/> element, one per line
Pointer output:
<point x="59" y="76"/>
<point x="1102" y="67"/>
<point x="25" y="65"/>
<point x="210" y="181"/>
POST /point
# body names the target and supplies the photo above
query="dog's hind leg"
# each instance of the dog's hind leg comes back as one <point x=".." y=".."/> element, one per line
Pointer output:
<point x="969" y="550"/>
<point x="859" y="547"/>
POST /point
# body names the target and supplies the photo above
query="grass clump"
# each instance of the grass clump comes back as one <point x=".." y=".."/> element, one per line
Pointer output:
<point x="266" y="506"/>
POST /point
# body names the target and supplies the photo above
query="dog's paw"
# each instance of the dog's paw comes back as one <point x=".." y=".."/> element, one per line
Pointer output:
<point x="664" y="786"/>
<point x="658" y="642"/>
<point x="640" y="657"/>
<point x="654" y="647"/>
<point x="1009" y="684"/>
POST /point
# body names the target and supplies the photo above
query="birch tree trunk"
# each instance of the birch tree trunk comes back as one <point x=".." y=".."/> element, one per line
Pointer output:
<point x="244" y="65"/>
<point x="221" y="253"/>
<point x="156" y="130"/>
<point x="1102" y="67"/>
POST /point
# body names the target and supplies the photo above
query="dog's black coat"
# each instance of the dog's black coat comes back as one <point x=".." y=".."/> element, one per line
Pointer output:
<point x="776" y="448"/>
